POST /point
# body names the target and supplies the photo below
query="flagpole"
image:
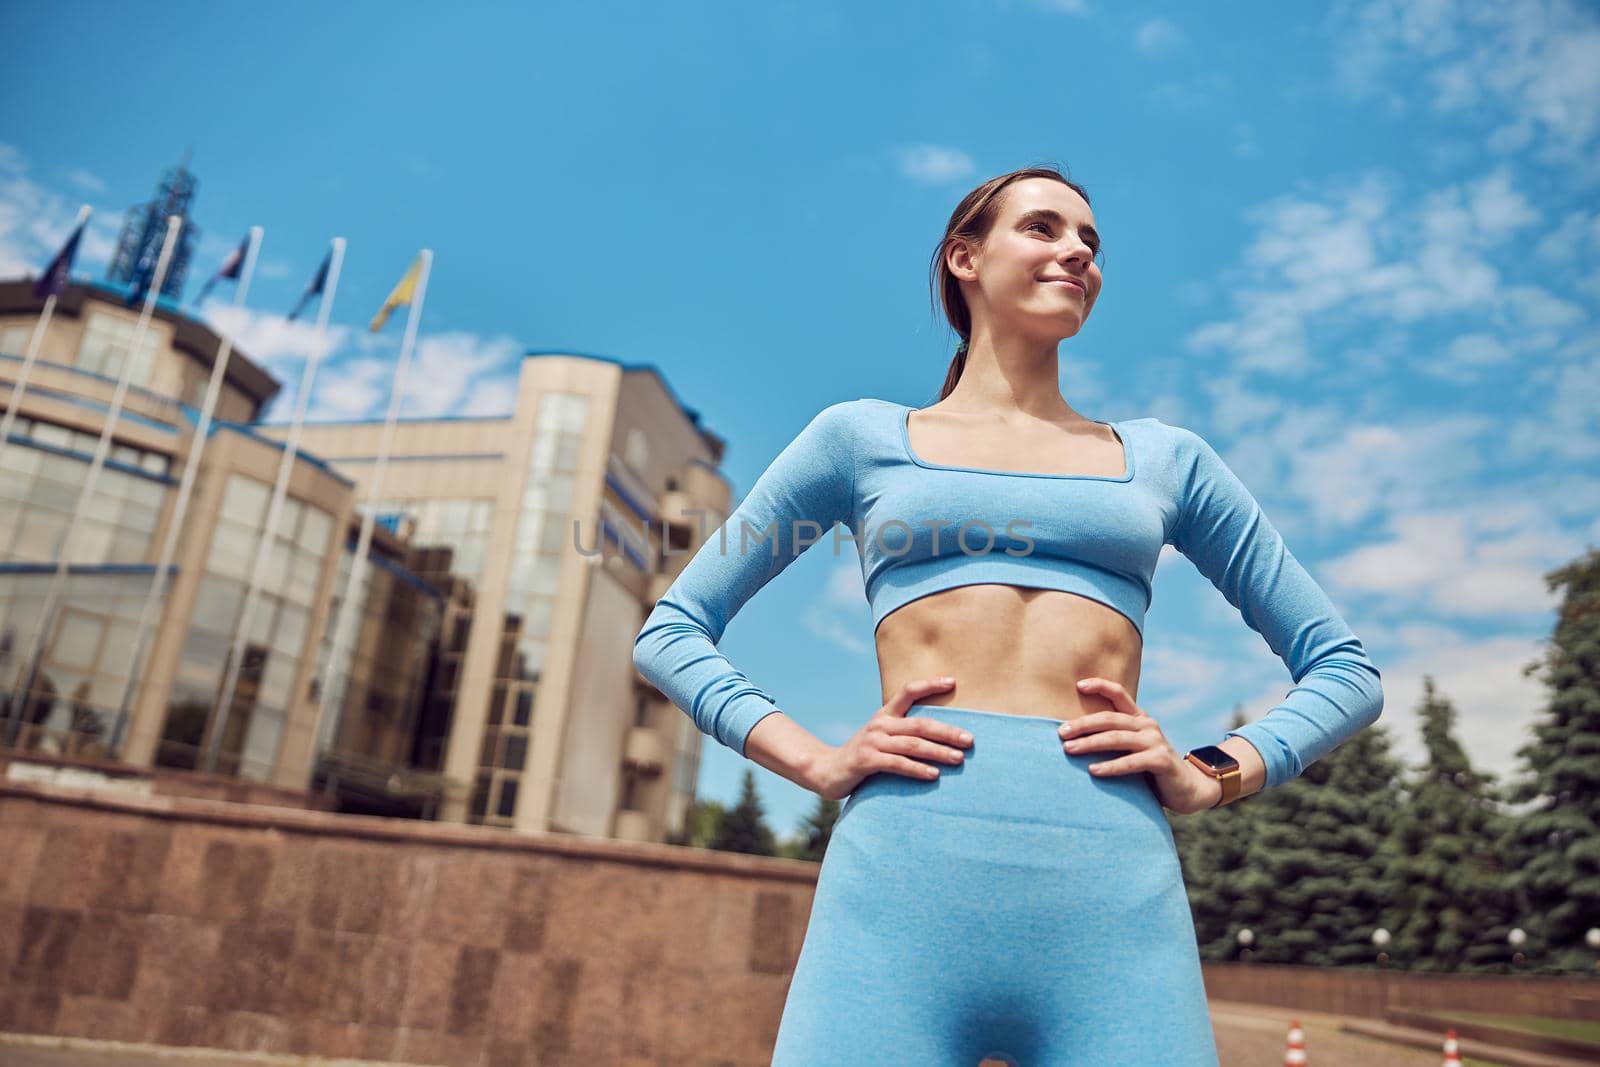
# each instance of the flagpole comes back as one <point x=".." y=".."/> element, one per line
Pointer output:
<point x="169" y="544"/>
<point x="35" y="339"/>
<point x="327" y="722"/>
<point x="64" y="546"/>
<point x="268" y="533"/>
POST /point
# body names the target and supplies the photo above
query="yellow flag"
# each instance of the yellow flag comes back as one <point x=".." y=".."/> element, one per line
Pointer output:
<point x="401" y="297"/>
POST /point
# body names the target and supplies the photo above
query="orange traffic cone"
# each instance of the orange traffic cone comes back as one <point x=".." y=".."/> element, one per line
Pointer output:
<point x="1452" y="1054"/>
<point x="1295" y="1054"/>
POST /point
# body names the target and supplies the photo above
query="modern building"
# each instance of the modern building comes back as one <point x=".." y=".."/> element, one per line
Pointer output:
<point x="488" y="674"/>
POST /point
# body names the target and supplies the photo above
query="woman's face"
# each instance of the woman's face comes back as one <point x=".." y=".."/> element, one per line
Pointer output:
<point x="1042" y="243"/>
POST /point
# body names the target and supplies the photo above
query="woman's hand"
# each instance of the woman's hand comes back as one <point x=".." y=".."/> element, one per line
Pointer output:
<point x="888" y="742"/>
<point x="1179" y="785"/>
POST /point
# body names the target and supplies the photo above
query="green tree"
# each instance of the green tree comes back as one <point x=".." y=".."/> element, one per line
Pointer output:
<point x="700" y="829"/>
<point x="1447" y="899"/>
<point x="744" y="829"/>
<point x="1309" y="886"/>
<point x="1553" y="845"/>
<point x="1211" y="847"/>
<point x="817" y="830"/>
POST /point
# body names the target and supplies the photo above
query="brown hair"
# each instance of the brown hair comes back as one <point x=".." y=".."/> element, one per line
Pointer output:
<point x="972" y="220"/>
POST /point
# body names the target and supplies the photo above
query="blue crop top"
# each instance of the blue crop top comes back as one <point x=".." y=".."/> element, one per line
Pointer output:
<point x="919" y="527"/>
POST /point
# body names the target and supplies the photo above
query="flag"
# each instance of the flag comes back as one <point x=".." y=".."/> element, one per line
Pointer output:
<point x="314" y="288"/>
<point x="230" y="269"/>
<point x="401" y="297"/>
<point x="54" y="279"/>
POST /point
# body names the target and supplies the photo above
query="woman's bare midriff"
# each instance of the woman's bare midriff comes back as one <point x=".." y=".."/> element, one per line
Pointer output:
<point x="1010" y="649"/>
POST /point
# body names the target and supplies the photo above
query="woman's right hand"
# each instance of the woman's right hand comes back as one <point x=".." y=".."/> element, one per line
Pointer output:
<point x="888" y="742"/>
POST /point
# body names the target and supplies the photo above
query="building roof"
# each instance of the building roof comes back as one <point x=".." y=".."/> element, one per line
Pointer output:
<point x="189" y="334"/>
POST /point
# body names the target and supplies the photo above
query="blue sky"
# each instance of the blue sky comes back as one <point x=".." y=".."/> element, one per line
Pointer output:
<point x="1358" y="250"/>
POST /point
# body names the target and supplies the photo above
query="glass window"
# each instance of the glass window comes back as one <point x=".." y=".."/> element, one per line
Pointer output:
<point x="567" y="448"/>
<point x="216" y="606"/>
<point x="291" y="632"/>
<point x="107" y="341"/>
<point x="245" y="500"/>
<point x="508" y="798"/>
<point x="231" y="546"/>
<point x="128" y="546"/>
<point x="516" y="751"/>
<point x="91" y="542"/>
<point x="278" y="679"/>
<point x="261" y="744"/>
<point x="39" y="534"/>
<point x="275" y="570"/>
<point x="289" y="519"/>
<point x="78" y="642"/>
<point x="314" y="534"/>
<point x="51" y="434"/>
<point x="61" y="496"/>
<point x="303" y="573"/>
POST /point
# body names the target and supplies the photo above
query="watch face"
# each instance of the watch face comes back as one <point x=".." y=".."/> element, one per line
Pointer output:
<point x="1214" y="757"/>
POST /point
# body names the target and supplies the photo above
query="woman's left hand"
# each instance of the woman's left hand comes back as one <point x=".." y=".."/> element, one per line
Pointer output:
<point x="1179" y="785"/>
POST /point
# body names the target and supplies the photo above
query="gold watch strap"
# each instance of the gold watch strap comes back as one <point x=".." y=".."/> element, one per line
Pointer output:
<point x="1231" y="779"/>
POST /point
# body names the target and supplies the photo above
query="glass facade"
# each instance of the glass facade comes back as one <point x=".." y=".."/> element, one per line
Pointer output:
<point x="377" y="685"/>
<point x="540" y="543"/>
<point x="272" y="652"/>
<point x="42" y="473"/>
<point x="462" y="524"/>
<point x="107" y="340"/>
<point x="75" y="693"/>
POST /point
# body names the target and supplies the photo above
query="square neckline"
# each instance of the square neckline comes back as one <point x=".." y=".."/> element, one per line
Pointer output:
<point x="1117" y="428"/>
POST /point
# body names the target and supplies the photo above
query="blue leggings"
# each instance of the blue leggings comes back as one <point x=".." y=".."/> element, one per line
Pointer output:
<point x="1015" y="908"/>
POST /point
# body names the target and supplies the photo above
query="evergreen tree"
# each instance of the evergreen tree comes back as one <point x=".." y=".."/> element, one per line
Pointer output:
<point x="1447" y="901"/>
<point x="1553" y="846"/>
<point x="817" y="830"/>
<point x="1351" y="817"/>
<point x="744" y="829"/>
<point x="1311" y="886"/>
<point x="1211" y="847"/>
<point x="701" y="825"/>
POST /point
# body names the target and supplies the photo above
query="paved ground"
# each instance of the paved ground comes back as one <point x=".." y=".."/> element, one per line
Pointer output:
<point x="1250" y="1036"/>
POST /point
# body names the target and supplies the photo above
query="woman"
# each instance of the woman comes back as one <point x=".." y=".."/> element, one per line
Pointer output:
<point x="1002" y="881"/>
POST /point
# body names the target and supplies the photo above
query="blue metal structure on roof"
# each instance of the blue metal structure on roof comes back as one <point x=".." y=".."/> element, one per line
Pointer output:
<point x="145" y="227"/>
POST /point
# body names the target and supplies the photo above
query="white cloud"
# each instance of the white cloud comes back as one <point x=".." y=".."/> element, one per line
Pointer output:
<point x="1351" y="256"/>
<point x="1480" y="561"/>
<point x="1482" y="677"/>
<point x="1529" y="68"/>
<point x="934" y="164"/>
<point x="450" y="373"/>
<point x="1578" y="233"/>
<point x="86" y="181"/>
<point x="838" y="614"/>
<point x="35" y="221"/>
<point x="1157" y="36"/>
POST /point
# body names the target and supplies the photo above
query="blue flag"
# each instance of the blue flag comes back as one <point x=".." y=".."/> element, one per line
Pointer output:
<point x="55" y="276"/>
<point x="314" y="288"/>
<point x="230" y="269"/>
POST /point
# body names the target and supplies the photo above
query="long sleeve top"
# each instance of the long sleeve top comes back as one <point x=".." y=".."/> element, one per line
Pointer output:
<point x="918" y="528"/>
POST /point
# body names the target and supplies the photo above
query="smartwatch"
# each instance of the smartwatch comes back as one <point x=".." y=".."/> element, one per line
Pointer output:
<point x="1221" y="766"/>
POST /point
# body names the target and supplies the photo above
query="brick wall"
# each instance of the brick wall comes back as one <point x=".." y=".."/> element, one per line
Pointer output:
<point x="190" y="922"/>
<point x="183" y="921"/>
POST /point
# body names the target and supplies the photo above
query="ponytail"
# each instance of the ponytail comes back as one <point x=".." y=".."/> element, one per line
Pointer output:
<point x="957" y="365"/>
